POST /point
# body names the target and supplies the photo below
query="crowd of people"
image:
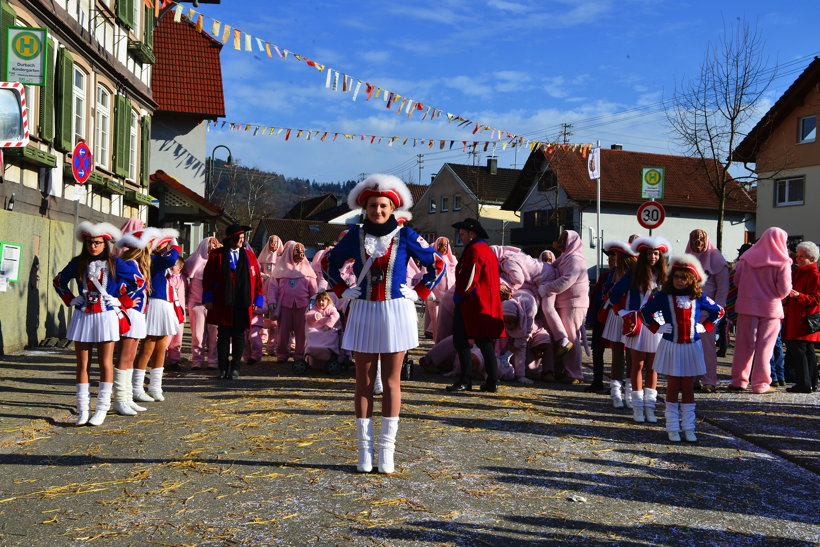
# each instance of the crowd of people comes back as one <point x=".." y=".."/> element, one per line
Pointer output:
<point x="496" y="313"/>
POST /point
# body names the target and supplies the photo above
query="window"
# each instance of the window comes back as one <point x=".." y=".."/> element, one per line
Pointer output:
<point x="78" y="105"/>
<point x="432" y="208"/>
<point x="457" y="239"/>
<point x="133" y="137"/>
<point x="456" y="202"/>
<point x="788" y="192"/>
<point x="807" y="129"/>
<point x="102" y="123"/>
<point x="443" y="204"/>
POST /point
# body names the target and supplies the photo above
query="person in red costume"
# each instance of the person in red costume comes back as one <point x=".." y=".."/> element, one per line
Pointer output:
<point x="478" y="313"/>
<point x="231" y="287"/>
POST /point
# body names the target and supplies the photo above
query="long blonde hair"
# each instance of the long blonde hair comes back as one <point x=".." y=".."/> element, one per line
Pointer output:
<point x="143" y="259"/>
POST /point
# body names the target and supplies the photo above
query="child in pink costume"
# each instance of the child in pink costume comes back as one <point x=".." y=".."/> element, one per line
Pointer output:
<point x="177" y="282"/>
<point x="322" y="331"/>
<point x="296" y="285"/>
<point x="519" y="322"/>
<point x="267" y="260"/>
<point x="448" y="281"/>
<point x="763" y="279"/>
<point x="571" y="288"/>
<point x="202" y="334"/>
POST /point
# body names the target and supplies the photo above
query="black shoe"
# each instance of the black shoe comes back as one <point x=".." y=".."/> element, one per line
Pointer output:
<point x="721" y="353"/>
<point x="488" y="388"/>
<point x="173" y="367"/>
<point x="459" y="386"/>
<point x="781" y="383"/>
<point x="234" y="374"/>
<point x="798" y="389"/>
<point x="594" y="387"/>
<point x="251" y="362"/>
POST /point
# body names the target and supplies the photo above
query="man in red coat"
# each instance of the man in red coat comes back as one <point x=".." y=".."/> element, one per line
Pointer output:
<point x="478" y="313"/>
<point x="231" y="287"/>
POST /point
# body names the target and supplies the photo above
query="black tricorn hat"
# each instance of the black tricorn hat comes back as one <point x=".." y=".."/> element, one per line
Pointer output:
<point x="235" y="230"/>
<point x="472" y="225"/>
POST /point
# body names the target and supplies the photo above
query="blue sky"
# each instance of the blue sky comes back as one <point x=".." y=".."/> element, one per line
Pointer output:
<point x="526" y="67"/>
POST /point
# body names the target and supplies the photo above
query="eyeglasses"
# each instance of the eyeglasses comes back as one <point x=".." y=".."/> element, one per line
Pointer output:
<point x="93" y="243"/>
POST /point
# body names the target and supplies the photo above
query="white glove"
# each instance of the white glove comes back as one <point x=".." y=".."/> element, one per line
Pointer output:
<point x="110" y="301"/>
<point x="77" y="301"/>
<point x="352" y="293"/>
<point x="431" y="297"/>
<point x="409" y="293"/>
<point x="542" y="290"/>
<point x="665" y="328"/>
<point x="700" y="328"/>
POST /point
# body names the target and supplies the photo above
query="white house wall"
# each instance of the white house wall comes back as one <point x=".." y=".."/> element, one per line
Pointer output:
<point x="797" y="220"/>
<point x="177" y="147"/>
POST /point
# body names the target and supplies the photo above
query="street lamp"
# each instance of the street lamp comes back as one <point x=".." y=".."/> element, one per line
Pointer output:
<point x="209" y="185"/>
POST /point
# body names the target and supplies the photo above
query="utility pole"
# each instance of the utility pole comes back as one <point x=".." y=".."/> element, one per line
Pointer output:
<point x="565" y="129"/>
<point x="362" y="176"/>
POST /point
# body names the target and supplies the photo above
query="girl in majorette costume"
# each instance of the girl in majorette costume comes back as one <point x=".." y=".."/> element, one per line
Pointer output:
<point x="296" y="286"/>
<point x="680" y="353"/>
<point x="135" y="248"/>
<point x="625" y="260"/>
<point x="202" y="334"/>
<point x="105" y="284"/>
<point x="382" y="322"/>
<point x="176" y="282"/>
<point x="322" y="331"/>
<point x="627" y="296"/>
<point x="161" y="319"/>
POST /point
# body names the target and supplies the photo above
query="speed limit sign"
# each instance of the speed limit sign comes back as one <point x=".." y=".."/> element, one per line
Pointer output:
<point x="651" y="215"/>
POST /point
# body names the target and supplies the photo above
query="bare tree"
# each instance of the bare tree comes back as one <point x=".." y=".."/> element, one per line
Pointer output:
<point x="710" y="111"/>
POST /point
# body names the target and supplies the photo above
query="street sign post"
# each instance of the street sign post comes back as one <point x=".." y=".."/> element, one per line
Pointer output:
<point x="651" y="215"/>
<point x="652" y="182"/>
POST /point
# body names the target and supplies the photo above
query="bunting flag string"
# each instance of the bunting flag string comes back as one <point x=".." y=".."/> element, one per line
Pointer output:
<point x="441" y="144"/>
<point x="336" y="80"/>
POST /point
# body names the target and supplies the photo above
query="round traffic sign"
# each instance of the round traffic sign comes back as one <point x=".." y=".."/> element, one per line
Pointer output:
<point x="82" y="163"/>
<point x="651" y="215"/>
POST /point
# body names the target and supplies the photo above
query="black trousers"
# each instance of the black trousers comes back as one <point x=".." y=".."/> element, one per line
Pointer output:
<point x="803" y="363"/>
<point x="597" y="353"/>
<point x="227" y="339"/>
<point x="462" y="344"/>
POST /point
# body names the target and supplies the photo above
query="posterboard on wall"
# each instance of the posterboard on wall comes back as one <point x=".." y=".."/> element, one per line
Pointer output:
<point x="10" y="257"/>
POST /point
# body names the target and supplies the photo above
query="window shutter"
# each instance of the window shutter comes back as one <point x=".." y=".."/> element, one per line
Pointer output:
<point x="145" y="145"/>
<point x="63" y="85"/>
<point x="7" y="18"/>
<point x="121" y="136"/>
<point x="149" y="28"/>
<point x="47" y="97"/>
<point x="125" y="12"/>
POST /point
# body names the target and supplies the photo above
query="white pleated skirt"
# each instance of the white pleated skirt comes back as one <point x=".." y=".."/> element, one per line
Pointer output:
<point x="613" y="328"/>
<point x="160" y="319"/>
<point x="137" y="319"/>
<point x="94" y="327"/>
<point x="644" y="341"/>
<point x="674" y="359"/>
<point x="381" y="327"/>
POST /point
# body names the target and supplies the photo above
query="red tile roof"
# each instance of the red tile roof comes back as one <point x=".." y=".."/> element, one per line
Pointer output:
<point x="187" y="77"/>
<point x="685" y="184"/>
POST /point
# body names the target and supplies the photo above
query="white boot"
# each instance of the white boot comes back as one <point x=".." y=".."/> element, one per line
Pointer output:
<point x="637" y="407"/>
<point x="130" y="392"/>
<point x="138" y="387"/>
<point x="628" y="393"/>
<point x="615" y="393"/>
<point x="83" y="404"/>
<point x="103" y="403"/>
<point x="121" y="390"/>
<point x="387" y="444"/>
<point x="378" y="388"/>
<point x="364" y="440"/>
<point x="672" y="413"/>
<point x="687" y="420"/>
<point x="155" y="384"/>
<point x="650" y="397"/>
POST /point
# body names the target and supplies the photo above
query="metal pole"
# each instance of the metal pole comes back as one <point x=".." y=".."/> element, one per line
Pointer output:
<point x="598" y="218"/>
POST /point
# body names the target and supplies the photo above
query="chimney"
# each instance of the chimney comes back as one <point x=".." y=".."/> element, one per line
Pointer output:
<point x="616" y="147"/>
<point x="433" y="177"/>
<point x="492" y="165"/>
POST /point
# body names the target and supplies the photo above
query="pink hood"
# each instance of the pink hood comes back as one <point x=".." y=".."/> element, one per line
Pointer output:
<point x="711" y="259"/>
<point x="271" y="252"/>
<point x="286" y="268"/>
<point x="195" y="264"/>
<point x="770" y="250"/>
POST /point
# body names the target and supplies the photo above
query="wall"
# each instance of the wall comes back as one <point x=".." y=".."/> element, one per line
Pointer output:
<point x="795" y="219"/>
<point x="178" y="148"/>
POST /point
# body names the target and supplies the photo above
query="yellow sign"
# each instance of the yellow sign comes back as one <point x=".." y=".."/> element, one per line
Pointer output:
<point x="652" y="182"/>
<point x="26" y="55"/>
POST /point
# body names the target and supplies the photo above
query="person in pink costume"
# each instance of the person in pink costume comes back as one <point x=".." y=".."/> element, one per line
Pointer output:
<point x="322" y="331"/>
<point x="571" y="288"/>
<point x="519" y="322"/>
<point x="716" y="287"/>
<point x="268" y="258"/>
<point x="202" y="334"/>
<point x="547" y="256"/>
<point x="176" y="281"/>
<point x="296" y="285"/>
<point x="256" y="335"/>
<point x="763" y="280"/>
<point x="448" y="281"/>
<point x="316" y="264"/>
<point x="546" y="272"/>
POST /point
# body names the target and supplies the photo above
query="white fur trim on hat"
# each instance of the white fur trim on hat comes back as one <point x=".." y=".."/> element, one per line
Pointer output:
<point x="88" y="229"/>
<point x="138" y="239"/>
<point x="403" y="216"/>
<point x="651" y="244"/>
<point x="688" y="262"/>
<point x="380" y="184"/>
<point x="619" y="247"/>
<point x="166" y="235"/>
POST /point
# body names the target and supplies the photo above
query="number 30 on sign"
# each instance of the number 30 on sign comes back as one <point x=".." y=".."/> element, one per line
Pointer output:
<point x="651" y="215"/>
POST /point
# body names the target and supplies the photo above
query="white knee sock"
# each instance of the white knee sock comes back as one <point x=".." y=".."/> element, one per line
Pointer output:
<point x="364" y="439"/>
<point x="387" y="444"/>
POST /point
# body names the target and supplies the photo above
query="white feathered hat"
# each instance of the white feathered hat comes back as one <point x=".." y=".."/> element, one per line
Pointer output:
<point x="689" y="263"/>
<point x="138" y="239"/>
<point x="379" y="184"/>
<point x="86" y="230"/>
<point x="165" y="235"/>
<point x="403" y="216"/>
<point x="619" y="247"/>
<point x="651" y="244"/>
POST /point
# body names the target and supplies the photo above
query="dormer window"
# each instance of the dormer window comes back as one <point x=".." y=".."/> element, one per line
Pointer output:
<point x="807" y="129"/>
<point x="432" y="208"/>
